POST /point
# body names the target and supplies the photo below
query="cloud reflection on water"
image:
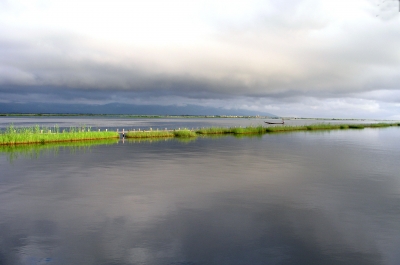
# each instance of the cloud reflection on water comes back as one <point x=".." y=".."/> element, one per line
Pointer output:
<point x="281" y="199"/>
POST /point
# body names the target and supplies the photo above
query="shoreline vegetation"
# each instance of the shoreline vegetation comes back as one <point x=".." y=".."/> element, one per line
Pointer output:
<point x="36" y="150"/>
<point x="250" y="130"/>
<point x="41" y="135"/>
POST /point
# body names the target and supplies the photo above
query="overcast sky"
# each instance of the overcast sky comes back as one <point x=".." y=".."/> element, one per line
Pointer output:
<point x="304" y="58"/>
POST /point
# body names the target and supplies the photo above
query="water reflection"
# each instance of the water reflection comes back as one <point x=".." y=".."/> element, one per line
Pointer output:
<point x="298" y="198"/>
<point x="34" y="151"/>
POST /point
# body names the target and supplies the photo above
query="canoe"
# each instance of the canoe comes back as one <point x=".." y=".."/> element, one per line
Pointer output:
<point x="274" y="122"/>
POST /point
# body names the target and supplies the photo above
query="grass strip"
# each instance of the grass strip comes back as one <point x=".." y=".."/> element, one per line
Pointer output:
<point x="149" y="134"/>
<point x="214" y="130"/>
<point x="35" y="150"/>
<point x="36" y="134"/>
<point x="185" y="133"/>
<point x="249" y="130"/>
<point x="161" y="134"/>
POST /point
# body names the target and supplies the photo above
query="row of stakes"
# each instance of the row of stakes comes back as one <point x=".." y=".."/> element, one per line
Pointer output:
<point x="123" y="130"/>
<point x="151" y="129"/>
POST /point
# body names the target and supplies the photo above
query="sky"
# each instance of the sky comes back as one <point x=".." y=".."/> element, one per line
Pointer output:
<point x="297" y="58"/>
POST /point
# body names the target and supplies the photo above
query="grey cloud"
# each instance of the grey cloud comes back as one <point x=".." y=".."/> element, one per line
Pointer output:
<point x="280" y="57"/>
<point x="342" y="65"/>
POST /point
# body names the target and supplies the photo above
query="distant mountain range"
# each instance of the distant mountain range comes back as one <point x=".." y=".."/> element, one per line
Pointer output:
<point x="117" y="108"/>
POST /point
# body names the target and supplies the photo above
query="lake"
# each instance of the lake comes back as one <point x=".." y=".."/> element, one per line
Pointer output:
<point x="324" y="197"/>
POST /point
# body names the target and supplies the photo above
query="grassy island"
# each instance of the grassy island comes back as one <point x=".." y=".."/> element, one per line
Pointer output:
<point x="16" y="151"/>
<point x="36" y="134"/>
<point x="252" y="130"/>
<point x="184" y="133"/>
<point x="31" y="135"/>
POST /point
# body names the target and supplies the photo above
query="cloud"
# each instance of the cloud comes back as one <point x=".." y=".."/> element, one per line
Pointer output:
<point x="201" y="50"/>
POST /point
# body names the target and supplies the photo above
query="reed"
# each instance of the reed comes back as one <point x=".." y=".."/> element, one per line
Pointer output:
<point x="323" y="126"/>
<point x="35" y="150"/>
<point x="285" y="128"/>
<point x="148" y="140"/>
<point x="382" y="125"/>
<point x="36" y="134"/>
<point x="149" y="134"/>
<point x="214" y="130"/>
<point x="184" y="133"/>
<point x="327" y="126"/>
<point x="358" y="126"/>
<point x="249" y="130"/>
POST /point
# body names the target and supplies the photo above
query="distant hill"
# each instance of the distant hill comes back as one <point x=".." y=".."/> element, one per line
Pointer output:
<point x="116" y="108"/>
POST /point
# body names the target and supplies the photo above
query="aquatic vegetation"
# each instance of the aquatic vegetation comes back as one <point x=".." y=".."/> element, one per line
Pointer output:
<point x="160" y="134"/>
<point x="327" y="126"/>
<point x="357" y="126"/>
<point x="148" y="140"/>
<point x="149" y="134"/>
<point x="184" y="133"/>
<point x="382" y="125"/>
<point x="36" y="134"/>
<point x="249" y="130"/>
<point x="285" y="128"/>
<point x="232" y="130"/>
<point x="214" y="130"/>
<point x="35" y="150"/>
<point x="323" y="126"/>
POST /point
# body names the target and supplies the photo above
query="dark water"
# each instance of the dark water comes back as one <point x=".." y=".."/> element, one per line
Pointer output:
<point x="296" y="198"/>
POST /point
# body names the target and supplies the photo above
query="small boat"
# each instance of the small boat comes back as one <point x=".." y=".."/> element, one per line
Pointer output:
<point x="283" y="122"/>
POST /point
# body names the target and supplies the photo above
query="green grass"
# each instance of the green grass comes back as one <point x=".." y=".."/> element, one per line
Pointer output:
<point x="36" y="134"/>
<point x="160" y="134"/>
<point x="357" y="126"/>
<point x="184" y="133"/>
<point x="327" y="126"/>
<point x="285" y="128"/>
<point x="232" y="130"/>
<point x="35" y="150"/>
<point x="214" y="130"/>
<point x="148" y="140"/>
<point x="249" y="130"/>
<point x="323" y="126"/>
<point x="379" y="125"/>
<point x="149" y="134"/>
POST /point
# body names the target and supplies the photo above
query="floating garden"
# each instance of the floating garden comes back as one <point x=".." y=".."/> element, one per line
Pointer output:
<point x="36" y="134"/>
<point x="251" y="130"/>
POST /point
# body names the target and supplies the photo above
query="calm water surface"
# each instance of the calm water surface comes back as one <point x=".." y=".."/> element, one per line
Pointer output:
<point x="296" y="198"/>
